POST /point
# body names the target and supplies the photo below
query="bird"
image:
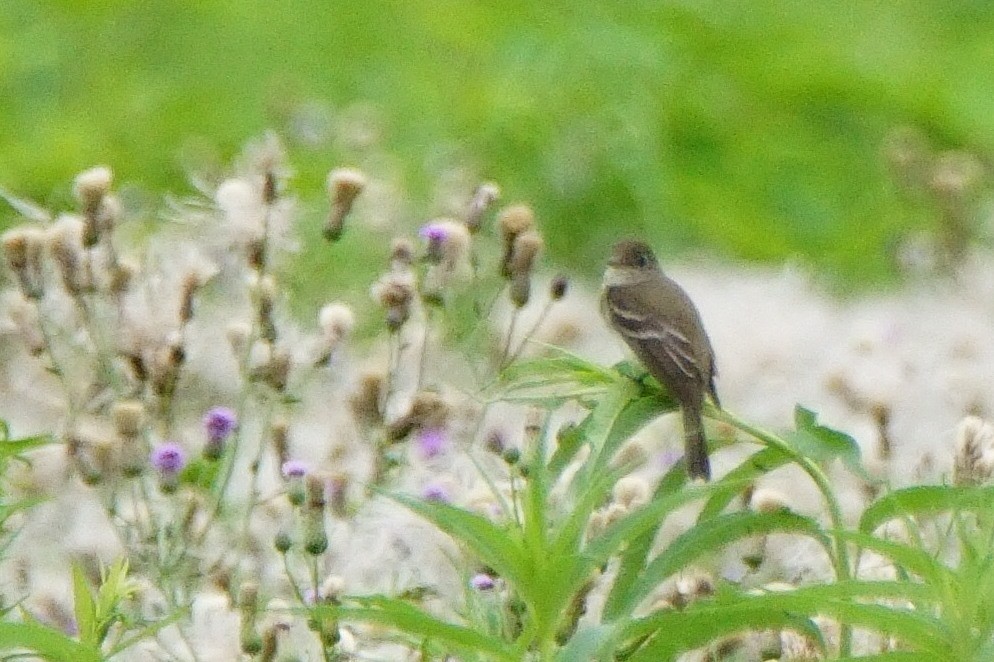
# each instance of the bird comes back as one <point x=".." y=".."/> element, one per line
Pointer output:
<point x="663" y="328"/>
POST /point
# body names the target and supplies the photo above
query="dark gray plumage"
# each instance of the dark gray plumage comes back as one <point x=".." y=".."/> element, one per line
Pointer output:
<point x="660" y="323"/>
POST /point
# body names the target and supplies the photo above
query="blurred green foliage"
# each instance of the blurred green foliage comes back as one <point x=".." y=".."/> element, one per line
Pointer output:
<point x="752" y="128"/>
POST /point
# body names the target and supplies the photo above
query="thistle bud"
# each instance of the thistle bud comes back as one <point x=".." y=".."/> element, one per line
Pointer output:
<point x="295" y="474"/>
<point x="315" y="537"/>
<point x="248" y="606"/>
<point x="558" y="287"/>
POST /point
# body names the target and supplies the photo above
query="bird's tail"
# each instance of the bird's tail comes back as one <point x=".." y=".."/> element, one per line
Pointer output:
<point x="695" y="446"/>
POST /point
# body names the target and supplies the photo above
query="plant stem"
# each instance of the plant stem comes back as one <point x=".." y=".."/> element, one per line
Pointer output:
<point x="840" y="561"/>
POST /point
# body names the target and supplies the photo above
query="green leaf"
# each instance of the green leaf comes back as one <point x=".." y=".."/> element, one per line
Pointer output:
<point x="497" y="546"/>
<point x="730" y="612"/>
<point x="47" y="642"/>
<point x="926" y="501"/>
<point x="590" y="644"/>
<point x="645" y="520"/>
<point x="561" y="377"/>
<point x="822" y="443"/>
<point x="201" y="473"/>
<point x="712" y="534"/>
<point x="907" y="558"/>
<point x="84" y="607"/>
<point x="671" y="633"/>
<point x="14" y="447"/>
<point x="569" y="443"/>
<point x="419" y="625"/>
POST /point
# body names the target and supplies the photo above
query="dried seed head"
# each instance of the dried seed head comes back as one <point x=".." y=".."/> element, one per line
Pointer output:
<point x="515" y="220"/>
<point x="365" y="402"/>
<point x="280" y="437"/>
<point x="401" y="253"/>
<point x="277" y="372"/>
<point x="238" y="334"/>
<point x="428" y="411"/>
<point x="315" y="490"/>
<point x="338" y="488"/>
<point x="23" y="248"/>
<point x="188" y="288"/>
<point x="123" y="276"/>
<point x="526" y="248"/>
<point x="344" y="185"/>
<point x="267" y="157"/>
<point x="15" y="248"/>
<point x="65" y="241"/>
<point x="128" y="417"/>
<point x="92" y="185"/>
<point x="955" y="173"/>
<point x="973" y="463"/>
<point x="336" y="321"/>
<point x="631" y="492"/>
<point x="767" y="500"/>
<point x="484" y="197"/>
<point x="395" y="292"/>
<point x="264" y="292"/>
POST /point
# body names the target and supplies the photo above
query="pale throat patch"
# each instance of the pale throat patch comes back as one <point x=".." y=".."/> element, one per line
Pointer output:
<point x="622" y="276"/>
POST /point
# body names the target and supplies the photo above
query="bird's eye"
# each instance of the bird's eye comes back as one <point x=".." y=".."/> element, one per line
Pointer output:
<point x="643" y="260"/>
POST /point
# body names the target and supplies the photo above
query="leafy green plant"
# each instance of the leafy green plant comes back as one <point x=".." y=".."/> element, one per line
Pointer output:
<point x="549" y="558"/>
<point x="105" y="625"/>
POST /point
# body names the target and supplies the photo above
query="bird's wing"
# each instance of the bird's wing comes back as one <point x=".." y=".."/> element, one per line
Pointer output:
<point x="648" y="331"/>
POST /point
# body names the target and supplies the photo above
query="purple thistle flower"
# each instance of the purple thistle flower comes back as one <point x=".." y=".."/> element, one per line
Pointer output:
<point x="437" y="493"/>
<point x="432" y="442"/>
<point x="433" y="232"/>
<point x="168" y="458"/>
<point x="294" y="469"/>
<point x="219" y="422"/>
<point x="482" y="582"/>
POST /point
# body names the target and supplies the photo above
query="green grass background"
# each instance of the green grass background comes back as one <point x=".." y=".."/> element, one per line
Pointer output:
<point x="749" y="128"/>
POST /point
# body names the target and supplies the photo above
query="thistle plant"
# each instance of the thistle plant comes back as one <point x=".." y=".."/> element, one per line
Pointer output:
<point x="423" y="477"/>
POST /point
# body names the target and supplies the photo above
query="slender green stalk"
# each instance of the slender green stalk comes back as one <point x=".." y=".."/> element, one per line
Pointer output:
<point x="840" y="561"/>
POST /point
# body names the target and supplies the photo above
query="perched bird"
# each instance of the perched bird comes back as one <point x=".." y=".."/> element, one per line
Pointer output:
<point x="663" y="328"/>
